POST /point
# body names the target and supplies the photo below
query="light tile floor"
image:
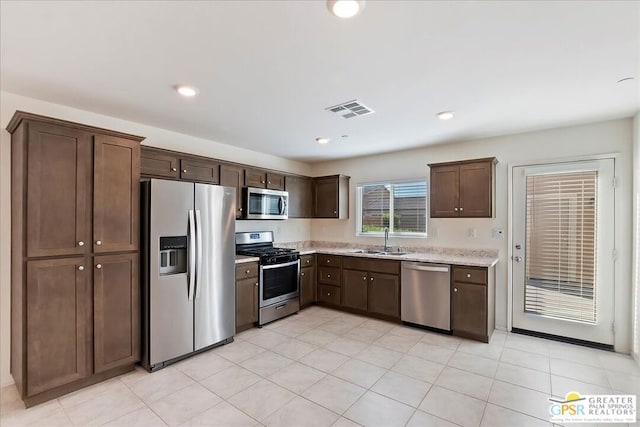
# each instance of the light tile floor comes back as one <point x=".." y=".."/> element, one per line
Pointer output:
<point x="327" y="368"/>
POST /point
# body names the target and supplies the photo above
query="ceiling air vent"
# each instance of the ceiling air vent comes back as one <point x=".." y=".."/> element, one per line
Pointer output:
<point x="350" y="109"/>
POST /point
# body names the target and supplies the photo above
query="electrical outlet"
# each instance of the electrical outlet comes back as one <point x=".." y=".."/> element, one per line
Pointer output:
<point x="497" y="233"/>
<point x="472" y="232"/>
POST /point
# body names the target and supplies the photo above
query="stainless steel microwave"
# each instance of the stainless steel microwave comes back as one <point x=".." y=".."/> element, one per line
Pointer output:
<point x="265" y="204"/>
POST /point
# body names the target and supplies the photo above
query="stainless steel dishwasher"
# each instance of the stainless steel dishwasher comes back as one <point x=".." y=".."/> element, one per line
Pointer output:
<point x="426" y="297"/>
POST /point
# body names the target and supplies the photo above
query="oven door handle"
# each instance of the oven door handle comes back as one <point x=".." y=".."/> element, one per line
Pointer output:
<point x="286" y="264"/>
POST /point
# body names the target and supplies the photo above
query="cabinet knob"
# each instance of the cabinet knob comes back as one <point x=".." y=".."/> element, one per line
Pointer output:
<point x="335" y="212"/>
<point x="302" y="274"/>
<point x="81" y="267"/>
<point x="371" y="279"/>
<point x="262" y="181"/>
<point x="328" y="276"/>
<point x="364" y="277"/>
<point x="98" y="266"/>
<point x="308" y="261"/>
<point x="240" y="209"/>
<point x="455" y="209"/>
<point x="455" y="289"/>
<point x="328" y="261"/>
<point x="469" y="275"/>
<point x="184" y="171"/>
<point x="98" y="242"/>
<point x="80" y="243"/>
<point x="268" y="182"/>
<point x="328" y="294"/>
<point x="461" y="209"/>
<point x="248" y="271"/>
<point x="173" y="169"/>
<point x="257" y="284"/>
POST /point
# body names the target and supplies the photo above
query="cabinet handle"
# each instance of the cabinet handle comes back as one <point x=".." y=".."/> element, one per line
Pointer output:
<point x="469" y="275"/>
<point x="455" y="209"/>
<point x="80" y="243"/>
<point x="455" y="289"/>
<point x="81" y="267"/>
<point x="98" y="242"/>
<point x="98" y="266"/>
<point x="173" y="169"/>
<point x="461" y="209"/>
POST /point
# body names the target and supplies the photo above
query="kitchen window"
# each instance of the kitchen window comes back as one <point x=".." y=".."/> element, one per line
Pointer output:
<point x="400" y="206"/>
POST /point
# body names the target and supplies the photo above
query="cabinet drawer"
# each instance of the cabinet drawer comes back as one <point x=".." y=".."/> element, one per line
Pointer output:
<point x="158" y="163"/>
<point x="470" y="275"/>
<point x="329" y="275"/>
<point x="329" y="294"/>
<point x="331" y="260"/>
<point x="245" y="270"/>
<point x="307" y="261"/>
<point x="379" y="266"/>
<point x="200" y="170"/>
<point x="355" y="263"/>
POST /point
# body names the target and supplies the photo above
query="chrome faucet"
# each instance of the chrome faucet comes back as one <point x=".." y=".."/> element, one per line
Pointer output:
<point x="386" y="239"/>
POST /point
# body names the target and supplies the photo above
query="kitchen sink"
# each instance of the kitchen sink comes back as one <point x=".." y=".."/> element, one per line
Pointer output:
<point x="376" y="252"/>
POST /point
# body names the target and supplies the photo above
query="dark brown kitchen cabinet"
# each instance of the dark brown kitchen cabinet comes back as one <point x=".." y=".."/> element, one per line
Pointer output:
<point x="58" y="335"/>
<point x="331" y="197"/>
<point x="299" y="189"/>
<point x="463" y="189"/>
<point x="200" y="171"/>
<point x="307" y="280"/>
<point x="233" y="176"/>
<point x="116" y="200"/>
<point x="159" y="163"/>
<point x="258" y="178"/>
<point x="329" y="294"/>
<point x="472" y="302"/>
<point x="383" y="295"/>
<point x="354" y="289"/>
<point x="58" y="163"/>
<point x="74" y="197"/>
<point x="247" y="295"/>
<point x="116" y="302"/>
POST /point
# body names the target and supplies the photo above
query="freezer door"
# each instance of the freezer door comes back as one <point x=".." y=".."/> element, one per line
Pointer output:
<point x="170" y="310"/>
<point x="215" y="295"/>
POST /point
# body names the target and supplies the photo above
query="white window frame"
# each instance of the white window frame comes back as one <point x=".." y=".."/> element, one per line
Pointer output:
<point x="359" y="231"/>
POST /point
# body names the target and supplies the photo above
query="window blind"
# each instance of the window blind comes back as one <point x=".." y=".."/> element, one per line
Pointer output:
<point x="560" y="272"/>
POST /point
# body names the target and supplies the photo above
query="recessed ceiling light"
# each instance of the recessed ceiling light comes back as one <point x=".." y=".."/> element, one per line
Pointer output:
<point x="187" y="91"/>
<point x="445" y="115"/>
<point x="322" y="140"/>
<point x="626" y="79"/>
<point x="345" y="8"/>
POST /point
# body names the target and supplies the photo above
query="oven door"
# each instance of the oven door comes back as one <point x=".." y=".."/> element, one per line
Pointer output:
<point x="265" y="204"/>
<point x="279" y="282"/>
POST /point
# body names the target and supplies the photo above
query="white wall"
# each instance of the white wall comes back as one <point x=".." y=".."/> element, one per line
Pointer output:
<point x="636" y="239"/>
<point x="286" y="231"/>
<point x="597" y="138"/>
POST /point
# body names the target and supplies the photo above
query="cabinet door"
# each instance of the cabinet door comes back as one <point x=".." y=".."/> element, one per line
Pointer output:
<point x="246" y="301"/>
<point x="307" y="286"/>
<point x="476" y="189"/>
<point x="158" y="163"/>
<point x="384" y="294"/>
<point x="58" y="323"/>
<point x="325" y="198"/>
<point x="116" y="201"/>
<point x="116" y="308"/>
<point x="445" y="183"/>
<point x="275" y="181"/>
<point x="299" y="189"/>
<point x="200" y="170"/>
<point x="58" y="191"/>
<point x="469" y="309"/>
<point x="255" y="178"/>
<point x="232" y="176"/>
<point x="354" y="289"/>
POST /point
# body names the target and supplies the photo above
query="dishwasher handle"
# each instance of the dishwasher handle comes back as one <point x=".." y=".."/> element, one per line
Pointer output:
<point x="434" y="268"/>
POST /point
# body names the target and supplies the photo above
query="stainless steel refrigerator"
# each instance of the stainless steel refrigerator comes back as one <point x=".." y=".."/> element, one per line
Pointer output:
<point x="188" y="269"/>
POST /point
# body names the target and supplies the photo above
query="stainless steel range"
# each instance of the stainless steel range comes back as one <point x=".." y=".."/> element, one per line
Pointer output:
<point x="279" y="274"/>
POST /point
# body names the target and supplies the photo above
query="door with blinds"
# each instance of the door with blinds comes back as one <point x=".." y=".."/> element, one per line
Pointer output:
<point x="563" y="250"/>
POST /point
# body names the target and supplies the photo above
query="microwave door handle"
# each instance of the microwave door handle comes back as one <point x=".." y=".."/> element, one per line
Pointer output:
<point x="281" y="205"/>
<point x="198" y="254"/>
<point x="192" y="255"/>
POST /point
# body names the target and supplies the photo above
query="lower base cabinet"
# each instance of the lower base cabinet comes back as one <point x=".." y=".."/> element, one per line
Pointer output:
<point x="472" y="302"/>
<point x="247" y="296"/>
<point x="384" y="294"/>
<point x="354" y="289"/>
<point x="307" y="280"/>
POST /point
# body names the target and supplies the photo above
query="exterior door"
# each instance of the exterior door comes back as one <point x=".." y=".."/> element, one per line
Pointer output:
<point x="563" y="254"/>
<point x="116" y="311"/>
<point x="116" y="200"/>
<point x="215" y="209"/>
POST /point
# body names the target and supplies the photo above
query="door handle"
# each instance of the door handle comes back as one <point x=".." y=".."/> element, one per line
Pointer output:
<point x="198" y="253"/>
<point x="192" y="255"/>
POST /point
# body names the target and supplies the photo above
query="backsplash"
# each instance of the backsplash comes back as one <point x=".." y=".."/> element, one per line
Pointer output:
<point x="491" y="253"/>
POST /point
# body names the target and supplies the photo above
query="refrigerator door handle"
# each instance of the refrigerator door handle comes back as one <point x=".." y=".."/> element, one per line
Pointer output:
<point x="192" y="254"/>
<point x="198" y="253"/>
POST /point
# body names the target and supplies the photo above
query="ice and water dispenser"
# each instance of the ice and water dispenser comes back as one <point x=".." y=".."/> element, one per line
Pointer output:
<point x="173" y="255"/>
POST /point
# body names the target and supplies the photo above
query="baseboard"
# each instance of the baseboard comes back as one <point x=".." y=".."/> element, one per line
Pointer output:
<point x="559" y="338"/>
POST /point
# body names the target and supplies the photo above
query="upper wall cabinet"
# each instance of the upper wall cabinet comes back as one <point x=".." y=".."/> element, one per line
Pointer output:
<point x="261" y="179"/>
<point x="159" y="163"/>
<point x="331" y="197"/>
<point x="299" y="188"/>
<point x="232" y="176"/>
<point x="463" y="189"/>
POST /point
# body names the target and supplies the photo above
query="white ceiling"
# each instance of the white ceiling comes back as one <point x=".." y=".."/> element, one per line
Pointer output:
<point x="267" y="69"/>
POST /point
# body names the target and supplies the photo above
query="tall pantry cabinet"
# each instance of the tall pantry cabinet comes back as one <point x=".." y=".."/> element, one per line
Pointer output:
<point x="75" y="315"/>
